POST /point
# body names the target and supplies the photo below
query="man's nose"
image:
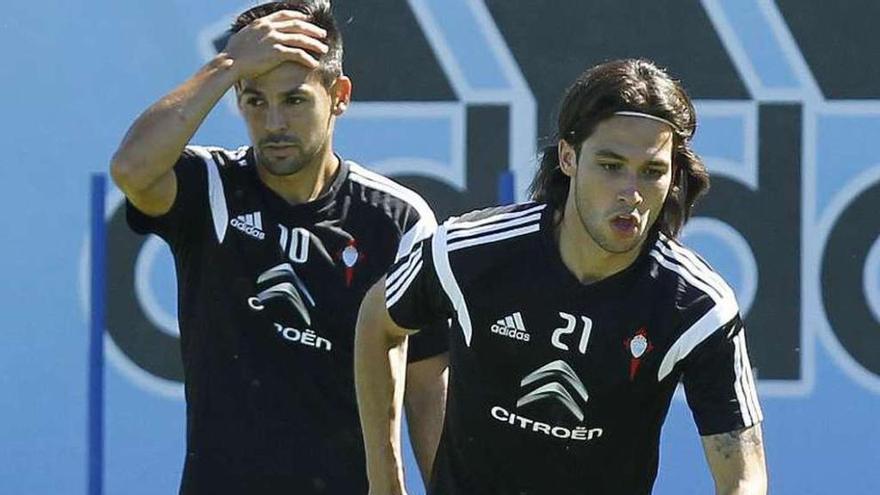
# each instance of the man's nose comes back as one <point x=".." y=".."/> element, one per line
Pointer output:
<point x="629" y="194"/>
<point x="275" y="120"/>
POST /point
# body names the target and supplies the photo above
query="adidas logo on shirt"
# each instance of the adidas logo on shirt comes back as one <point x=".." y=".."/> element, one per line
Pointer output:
<point x="251" y="224"/>
<point x="511" y="326"/>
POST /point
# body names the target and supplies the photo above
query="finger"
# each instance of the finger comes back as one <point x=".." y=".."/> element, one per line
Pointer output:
<point x="301" y="41"/>
<point x="298" y="56"/>
<point x="297" y="26"/>
<point x="286" y="14"/>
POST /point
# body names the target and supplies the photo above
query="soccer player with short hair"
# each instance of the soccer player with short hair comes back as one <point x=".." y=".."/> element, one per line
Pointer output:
<point x="275" y="245"/>
<point x="574" y="316"/>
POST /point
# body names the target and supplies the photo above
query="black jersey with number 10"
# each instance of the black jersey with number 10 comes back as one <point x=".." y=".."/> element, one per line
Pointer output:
<point x="557" y="387"/>
<point x="268" y="296"/>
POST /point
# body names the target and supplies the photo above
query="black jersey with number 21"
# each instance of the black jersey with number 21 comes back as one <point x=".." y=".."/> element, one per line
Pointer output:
<point x="557" y="387"/>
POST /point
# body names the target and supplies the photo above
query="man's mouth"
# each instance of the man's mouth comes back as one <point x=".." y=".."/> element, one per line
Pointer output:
<point x="279" y="149"/>
<point x="625" y="224"/>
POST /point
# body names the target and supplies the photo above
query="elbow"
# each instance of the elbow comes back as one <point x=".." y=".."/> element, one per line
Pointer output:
<point x="122" y="172"/>
<point x="129" y="174"/>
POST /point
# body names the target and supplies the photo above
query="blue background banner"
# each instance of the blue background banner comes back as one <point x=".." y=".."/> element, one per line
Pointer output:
<point x="454" y="97"/>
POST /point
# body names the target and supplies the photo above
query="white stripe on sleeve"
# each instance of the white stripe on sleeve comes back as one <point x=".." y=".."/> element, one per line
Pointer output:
<point x="739" y="389"/>
<point x="395" y="293"/>
<point x="426" y="223"/>
<point x="216" y="196"/>
<point x="440" y="255"/>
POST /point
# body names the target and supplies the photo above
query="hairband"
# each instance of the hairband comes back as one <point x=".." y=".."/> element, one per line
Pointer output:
<point x="647" y="116"/>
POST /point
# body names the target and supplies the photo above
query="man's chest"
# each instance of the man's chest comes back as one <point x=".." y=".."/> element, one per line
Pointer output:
<point x="298" y="280"/>
<point x="544" y="357"/>
<point x="612" y="343"/>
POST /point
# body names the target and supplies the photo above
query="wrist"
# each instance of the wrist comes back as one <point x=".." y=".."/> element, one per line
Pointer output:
<point x="224" y="65"/>
<point x="388" y="478"/>
<point x="389" y="488"/>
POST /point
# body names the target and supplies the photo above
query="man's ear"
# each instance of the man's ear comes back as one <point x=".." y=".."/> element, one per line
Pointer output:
<point x="341" y="94"/>
<point x="567" y="158"/>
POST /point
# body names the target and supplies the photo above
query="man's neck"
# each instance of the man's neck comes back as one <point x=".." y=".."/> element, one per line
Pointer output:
<point x="583" y="257"/>
<point x="305" y="185"/>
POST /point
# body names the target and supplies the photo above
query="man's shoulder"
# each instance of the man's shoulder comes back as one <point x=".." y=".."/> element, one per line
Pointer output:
<point x="696" y="286"/>
<point x="705" y="306"/>
<point x="388" y="198"/>
<point x="224" y="159"/>
<point x="490" y="239"/>
<point x="498" y="226"/>
<point x="496" y="214"/>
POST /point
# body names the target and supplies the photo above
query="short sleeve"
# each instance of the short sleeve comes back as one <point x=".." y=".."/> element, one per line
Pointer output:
<point x="420" y="224"/>
<point x="413" y="293"/>
<point x="431" y="341"/>
<point x="189" y="211"/>
<point x="719" y="383"/>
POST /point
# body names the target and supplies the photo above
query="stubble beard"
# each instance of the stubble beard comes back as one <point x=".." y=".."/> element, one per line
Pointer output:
<point x="595" y="231"/>
<point x="291" y="165"/>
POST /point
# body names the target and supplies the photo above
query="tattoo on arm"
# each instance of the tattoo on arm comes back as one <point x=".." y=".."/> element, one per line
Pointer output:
<point x="745" y="441"/>
<point x="737" y="461"/>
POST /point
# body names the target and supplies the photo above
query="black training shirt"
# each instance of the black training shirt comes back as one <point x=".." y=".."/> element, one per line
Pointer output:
<point x="556" y="387"/>
<point x="268" y="295"/>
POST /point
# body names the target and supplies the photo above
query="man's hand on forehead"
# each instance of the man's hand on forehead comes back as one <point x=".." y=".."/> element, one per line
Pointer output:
<point x="294" y="22"/>
<point x="283" y="36"/>
<point x="292" y="30"/>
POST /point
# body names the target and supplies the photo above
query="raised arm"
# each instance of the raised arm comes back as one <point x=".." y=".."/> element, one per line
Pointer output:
<point x="143" y="165"/>
<point x="736" y="460"/>
<point x="380" y="370"/>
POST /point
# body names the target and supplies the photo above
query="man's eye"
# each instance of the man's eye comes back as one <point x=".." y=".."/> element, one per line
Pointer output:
<point x="610" y="166"/>
<point x="655" y="173"/>
<point x="295" y="100"/>
<point x="255" y="102"/>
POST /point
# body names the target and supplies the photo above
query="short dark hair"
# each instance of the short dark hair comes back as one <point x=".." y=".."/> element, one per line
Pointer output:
<point x="320" y="14"/>
<point x="635" y="85"/>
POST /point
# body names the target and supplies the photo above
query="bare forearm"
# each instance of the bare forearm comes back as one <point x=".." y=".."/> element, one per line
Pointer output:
<point x="380" y="367"/>
<point x="155" y="140"/>
<point x="425" y="401"/>
<point x="743" y="487"/>
<point x="737" y="461"/>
